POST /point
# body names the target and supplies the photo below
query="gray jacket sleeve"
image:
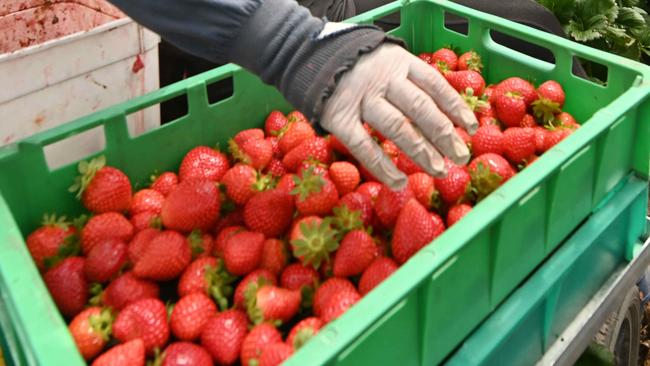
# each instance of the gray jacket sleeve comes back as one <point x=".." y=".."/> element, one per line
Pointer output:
<point x="275" y="39"/>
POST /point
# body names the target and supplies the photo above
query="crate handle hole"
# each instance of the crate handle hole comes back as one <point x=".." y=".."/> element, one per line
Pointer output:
<point x="220" y="90"/>
<point x="591" y="71"/>
<point x="456" y="23"/>
<point x="389" y="22"/>
<point x="75" y="148"/>
<point x="524" y="47"/>
<point x="173" y="109"/>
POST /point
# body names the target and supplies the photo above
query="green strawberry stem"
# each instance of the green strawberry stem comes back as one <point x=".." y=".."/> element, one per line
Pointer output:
<point x="545" y="109"/>
<point x="219" y="283"/>
<point x="484" y="181"/>
<point x="71" y="247"/>
<point x="60" y="222"/>
<point x="96" y="293"/>
<point x="250" y="300"/>
<point x="316" y="244"/>
<point x="237" y="152"/>
<point x="346" y="220"/>
<point x="87" y="172"/>
<point x="473" y="102"/>
<point x="310" y="183"/>
<point x="196" y="242"/>
<point x="302" y="337"/>
<point x="102" y="324"/>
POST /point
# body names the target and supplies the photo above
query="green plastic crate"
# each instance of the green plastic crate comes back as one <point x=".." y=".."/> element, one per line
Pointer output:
<point x="427" y="307"/>
<point x="522" y="329"/>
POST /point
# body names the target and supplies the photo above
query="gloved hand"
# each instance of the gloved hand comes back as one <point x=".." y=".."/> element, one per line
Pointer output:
<point x="407" y="101"/>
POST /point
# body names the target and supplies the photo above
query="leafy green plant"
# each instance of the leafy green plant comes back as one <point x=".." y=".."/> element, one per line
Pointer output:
<point x="618" y="26"/>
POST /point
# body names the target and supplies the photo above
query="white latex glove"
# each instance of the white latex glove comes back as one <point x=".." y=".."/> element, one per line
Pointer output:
<point x="388" y="88"/>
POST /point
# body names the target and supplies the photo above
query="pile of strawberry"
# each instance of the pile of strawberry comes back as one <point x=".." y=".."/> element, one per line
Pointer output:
<point x="242" y="257"/>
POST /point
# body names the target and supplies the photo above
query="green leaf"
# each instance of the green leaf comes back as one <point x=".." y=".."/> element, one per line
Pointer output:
<point x="563" y="9"/>
<point x="586" y="30"/>
<point x="630" y="18"/>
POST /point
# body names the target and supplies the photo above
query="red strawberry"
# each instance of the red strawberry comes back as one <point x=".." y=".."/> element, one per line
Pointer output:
<point x="144" y="319"/>
<point x="146" y="200"/>
<point x="455" y="185"/>
<point x="140" y="242"/>
<point x="338" y="146"/>
<point x="510" y="108"/>
<point x="457" y="212"/>
<point x="276" y="168"/>
<point x="256" y="341"/>
<point x="296" y="276"/>
<point x="426" y="57"/>
<point x="275" y="144"/>
<point x="445" y="59"/>
<point x="355" y="202"/>
<point x="287" y="183"/>
<point x="186" y="354"/>
<point x="540" y="138"/>
<point x="467" y="79"/>
<point x="205" y="163"/>
<point x="303" y="331"/>
<point x="312" y="241"/>
<point x="317" y="168"/>
<point x="390" y="148"/>
<point x="190" y="315"/>
<point x="128" y="354"/>
<point x="127" y="289"/>
<point x="338" y="304"/>
<point x="327" y="290"/>
<point x="518" y="144"/>
<point x="275" y="354"/>
<point x="380" y="269"/>
<point x="222" y="238"/>
<point x="470" y="61"/>
<point x="487" y="121"/>
<point x="487" y="139"/>
<point x="316" y="148"/>
<point x="269" y="212"/>
<point x="252" y="278"/>
<point x="405" y="164"/>
<point x="297" y="116"/>
<point x="243" y="252"/>
<point x="145" y="220"/>
<point x="165" y="183"/>
<point x="553" y="91"/>
<point x="45" y="241"/>
<point x="266" y="303"/>
<point x="91" y="331"/>
<point x="356" y="251"/>
<point x="415" y="228"/>
<point x="200" y="244"/>
<point x="102" y="188"/>
<point x="389" y="203"/>
<point x="516" y="85"/>
<point x="464" y="135"/>
<point x="554" y="137"/>
<point x="67" y="285"/>
<point x="105" y="260"/>
<point x="165" y="258"/>
<point x="345" y="176"/>
<point x="240" y="183"/>
<point x="233" y="218"/>
<point x="224" y="335"/>
<point x="489" y="171"/>
<point x="248" y="134"/>
<point x="254" y="152"/>
<point x="314" y="194"/>
<point x="424" y="189"/>
<point x="528" y="121"/>
<point x="567" y="120"/>
<point x="207" y="276"/>
<point x="484" y="110"/>
<point x="274" y="256"/>
<point x="194" y="204"/>
<point x="370" y="190"/>
<point x="295" y="134"/>
<point x="110" y="225"/>
<point x="274" y="123"/>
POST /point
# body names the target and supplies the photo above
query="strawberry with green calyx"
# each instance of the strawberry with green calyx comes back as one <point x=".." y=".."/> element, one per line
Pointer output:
<point x="144" y="319"/>
<point x="445" y="58"/>
<point x="254" y="277"/>
<point x="550" y="102"/>
<point x="131" y="353"/>
<point x="256" y="341"/>
<point x="302" y="332"/>
<point x="203" y="162"/>
<point x="414" y="229"/>
<point x="275" y="122"/>
<point x="242" y="181"/>
<point x="47" y="241"/>
<point x="312" y="241"/>
<point x="424" y="190"/>
<point x="297" y="116"/>
<point x="455" y="186"/>
<point x="566" y="120"/>
<point x="356" y="251"/>
<point x="346" y="219"/>
<point x="457" y="212"/>
<point x="145" y="220"/>
<point x="488" y="172"/>
<point x="380" y="269"/>
<point x="515" y="85"/>
<point x="510" y="108"/>
<point x="269" y="212"/>
<point x="317" y="167"/>
<point x="102" y="188"/>
<point x="295" y="134"/>
<point x="555" y="136"/>
<point x="466" y="80"/>
<point x="315" y="148"/>
<point x="208" y="276"/>
<point x="470" y="61"/>
<point x="200" y="244"/>
<point x="268" y="303"/>
<point x="164" y="183"/>
<point x="314" y="194"/>
<point x="474" y="102"/>
<point x="253" y="151"/>
<point x="91" y="331"/>
<point x="302" y="278"/>
<point x="190" y="314"/>
<point x="224" y="335"/>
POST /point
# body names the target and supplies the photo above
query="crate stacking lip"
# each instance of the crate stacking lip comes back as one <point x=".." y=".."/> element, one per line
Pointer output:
<point x="422" y="312"/>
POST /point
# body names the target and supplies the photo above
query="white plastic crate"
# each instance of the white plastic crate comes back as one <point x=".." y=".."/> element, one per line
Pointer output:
<point x="60" y="60"/>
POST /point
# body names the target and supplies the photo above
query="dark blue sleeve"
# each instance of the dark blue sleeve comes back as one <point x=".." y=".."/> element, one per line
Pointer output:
<point x="275" y="39"/>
